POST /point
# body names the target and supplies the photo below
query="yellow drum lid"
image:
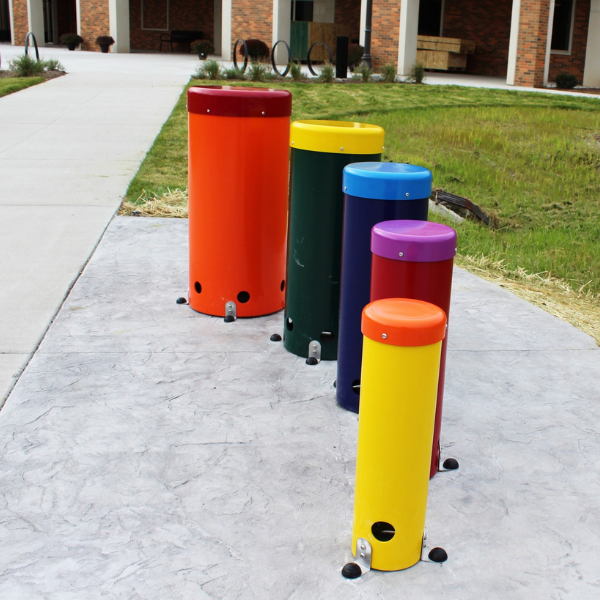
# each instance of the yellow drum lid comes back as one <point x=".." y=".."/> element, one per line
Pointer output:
<point x="337" y="137"/>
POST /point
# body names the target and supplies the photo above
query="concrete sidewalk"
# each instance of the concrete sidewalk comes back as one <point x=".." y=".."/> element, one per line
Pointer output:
<point x="68" y="150"/>
<point x="151" y="452"/>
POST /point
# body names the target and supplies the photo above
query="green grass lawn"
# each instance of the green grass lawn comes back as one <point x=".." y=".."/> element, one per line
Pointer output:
<point x="9" y="85"/>
<point x="530" y="160"/>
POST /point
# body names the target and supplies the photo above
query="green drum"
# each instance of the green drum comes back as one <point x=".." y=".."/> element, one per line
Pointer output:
<point x="320" y="151"/>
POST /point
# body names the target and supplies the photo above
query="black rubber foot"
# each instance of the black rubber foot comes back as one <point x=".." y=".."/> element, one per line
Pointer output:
<point x="351" y="571"/>
<point x="450" y="464"/>
<point x="438" y="555"/>
<point x="335" y="383"/>
<point x="181" y="300"/>
<point x="275" y="337"/>
<point x="229" y="319"/>
<point x="312" y="361"/>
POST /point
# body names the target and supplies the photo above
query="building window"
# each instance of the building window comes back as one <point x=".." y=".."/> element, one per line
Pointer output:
<point x="562" y="28"/>
<point x="302" y="10"/>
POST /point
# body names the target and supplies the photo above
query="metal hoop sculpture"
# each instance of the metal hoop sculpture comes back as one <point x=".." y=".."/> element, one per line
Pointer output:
<point x="311" y="49"/>
<point x="37" y="52"/>
<point x="245" y="55"/>
<point x="289" y="61"/>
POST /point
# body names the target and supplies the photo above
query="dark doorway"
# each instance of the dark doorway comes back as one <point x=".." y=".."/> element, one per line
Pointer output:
<point x="4" y="22"/>
<point x="60" y="17"/>
<point x="302" y="10"/>
<point x="430" y="17"/>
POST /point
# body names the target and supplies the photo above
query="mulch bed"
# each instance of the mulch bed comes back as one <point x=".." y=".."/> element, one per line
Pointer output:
<point x="46" y="74"/>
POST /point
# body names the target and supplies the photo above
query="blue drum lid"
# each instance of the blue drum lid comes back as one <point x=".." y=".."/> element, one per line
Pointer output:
<point x="387" y="181"/>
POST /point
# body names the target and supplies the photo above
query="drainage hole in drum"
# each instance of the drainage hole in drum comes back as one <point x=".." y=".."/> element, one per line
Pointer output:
<point x="356" y="387"/>
<point x="289" y="324"/>
<point x="198" y="288"/>
<point x="243" y="297"/>
<point x="383" y="531"/>
<point x="282" y="285"/>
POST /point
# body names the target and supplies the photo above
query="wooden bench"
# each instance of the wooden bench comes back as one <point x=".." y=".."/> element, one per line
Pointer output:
<point x="180" y="36"/>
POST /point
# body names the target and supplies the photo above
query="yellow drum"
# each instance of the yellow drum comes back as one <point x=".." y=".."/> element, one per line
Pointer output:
<point x="400" y="368"/>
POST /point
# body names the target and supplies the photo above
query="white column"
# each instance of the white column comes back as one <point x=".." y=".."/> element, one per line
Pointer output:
<point x="118" y="18"/>
<point x="407" y="45"/>
<point x="549" y="43"/>
<point x="35" y="17"/>
<point x="591" y="71"/>
<point x="78" y="18"/>
<point x="514" y="42"/>
<point x="282" y="16"/>
<point x="218" y="24"/>
<point x="363" y="21"/>
<point x="12" y="22"/>
<point x="226" y="30"/>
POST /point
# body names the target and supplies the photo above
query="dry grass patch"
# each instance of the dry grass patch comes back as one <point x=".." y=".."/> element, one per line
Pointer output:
<point x="578" y="307"/>
<point x="172" y="204"/>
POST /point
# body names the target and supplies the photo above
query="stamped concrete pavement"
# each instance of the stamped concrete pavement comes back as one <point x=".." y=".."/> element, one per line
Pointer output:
<point x="68" y="150"/>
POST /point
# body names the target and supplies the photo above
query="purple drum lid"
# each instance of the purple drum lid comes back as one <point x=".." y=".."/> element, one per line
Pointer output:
<point x="413" y="241"/>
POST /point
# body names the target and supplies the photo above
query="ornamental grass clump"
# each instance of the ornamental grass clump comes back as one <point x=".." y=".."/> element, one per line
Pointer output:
<point x="257" y="71"/>
<point x="296" y="71"/>
<point x="208" y="70"/>
<point x="416" y="74"/>
<point x="389" y="72"/>
<point x="233" y="73"/>
<point x="25" y="66"/>
<point x="365" y="72"/>
<point x="53" y="65"/>
<point x="327" y="74"/>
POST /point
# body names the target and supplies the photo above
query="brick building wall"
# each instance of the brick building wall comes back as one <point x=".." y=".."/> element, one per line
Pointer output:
<point x="574" y="63"/>
<point x="94" y="22"/>
<point x="531" y="49"/>
<point x="252" y="19"/>
<point x="347" y="12"/>
<point x="385" y="32"/>
<point x="20" y="21"/>
<point x="183" y="14"/>
<point x="487" y="23"/>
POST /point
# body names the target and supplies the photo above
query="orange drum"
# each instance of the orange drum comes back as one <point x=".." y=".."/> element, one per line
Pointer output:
<point x="238" y="184"/>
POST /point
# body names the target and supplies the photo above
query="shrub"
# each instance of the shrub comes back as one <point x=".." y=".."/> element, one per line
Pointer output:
<point x="566" y="81"/>
<point x="389" y="72"/>
<point x="417" y="73"/>
<point x="257" y="71"/>
<point x="257" y="50"/>
<point x="233" y="73"/>
<point x="53" y="65"/>
<point x="365" y="72"/>
<point x="105" y="40"/>
<point x="296" y="71"/>
<point x="355" y="54"/>
<point x="327" y="74"/>
<point x="208" y="70"/>
<point x="71" y="38"/>
<point x="202" y="48"/>
<point x="25" y="66"/>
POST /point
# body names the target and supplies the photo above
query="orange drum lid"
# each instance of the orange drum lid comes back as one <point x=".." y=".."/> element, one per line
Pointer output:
<point x="403" y="322"/>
